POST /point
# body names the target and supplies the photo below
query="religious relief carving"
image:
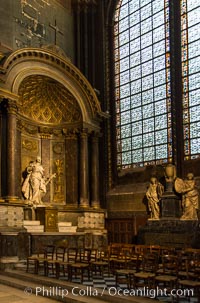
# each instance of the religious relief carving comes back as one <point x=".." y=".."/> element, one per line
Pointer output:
<point x="58" y="148"/>
<point x="43" y="99"/>
<point x="30" y="145"/>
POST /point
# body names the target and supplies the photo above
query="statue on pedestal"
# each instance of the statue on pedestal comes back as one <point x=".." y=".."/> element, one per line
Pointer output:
<point x="190" y="197"/>
<point x="35" y="183"/>
<point x="153" y="194"/>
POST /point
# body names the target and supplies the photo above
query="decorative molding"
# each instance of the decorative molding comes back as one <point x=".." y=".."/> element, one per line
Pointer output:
<point x="5" y="94"/>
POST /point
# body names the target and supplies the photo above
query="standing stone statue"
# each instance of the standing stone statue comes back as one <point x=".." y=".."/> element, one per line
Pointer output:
<point x="153" y="194"/>
<point x="35" y="183"/>
<point x="190" y="197"/>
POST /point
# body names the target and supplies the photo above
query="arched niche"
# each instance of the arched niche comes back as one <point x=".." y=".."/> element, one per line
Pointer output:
<point x="50" y="110"/>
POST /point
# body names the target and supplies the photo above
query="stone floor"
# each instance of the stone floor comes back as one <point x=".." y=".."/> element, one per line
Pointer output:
<point x="11" y="295"/>
<point x="77" y="292"/>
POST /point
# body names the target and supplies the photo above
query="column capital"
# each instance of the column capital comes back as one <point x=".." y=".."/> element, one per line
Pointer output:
<point x="70" y="133"/>
<point x="10" y="106"/>
<point x="84" y="133"/>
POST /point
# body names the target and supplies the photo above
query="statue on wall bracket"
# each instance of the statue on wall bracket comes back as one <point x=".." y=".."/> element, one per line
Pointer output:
<point x="34" y="185"/>
<point x="190" y="197"/>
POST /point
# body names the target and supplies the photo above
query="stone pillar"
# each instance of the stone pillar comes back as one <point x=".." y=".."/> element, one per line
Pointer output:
<point x="12" y="157"/>
<point x="95" y="171"/>
<point x="1" y="137"/>
<point x="71" y="158"/>
<point x="84" y="189"/>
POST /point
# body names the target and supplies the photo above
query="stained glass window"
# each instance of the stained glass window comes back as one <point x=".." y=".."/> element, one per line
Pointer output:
<point x="142" y="83"/>
<point x="190" y="43"/>
<point x="143" y="80"/>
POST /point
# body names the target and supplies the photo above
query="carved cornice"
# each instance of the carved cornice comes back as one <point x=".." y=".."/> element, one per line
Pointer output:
<point x="26" y="127"/>
<point x="7" y="95"/>
<point x="71" y="133"/>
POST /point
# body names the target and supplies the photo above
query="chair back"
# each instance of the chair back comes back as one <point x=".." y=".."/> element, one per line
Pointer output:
<point x="150" y="262"/>
<point x="60" y="253"/>
<point x="84" y="255"/>
<point x="49" y="252"/>
<point x="170" y="264"/>
<point x="71" y="255"/>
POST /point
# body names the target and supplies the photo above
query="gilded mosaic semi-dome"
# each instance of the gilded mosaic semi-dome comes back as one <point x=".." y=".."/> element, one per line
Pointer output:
<point x="44" y="100"/>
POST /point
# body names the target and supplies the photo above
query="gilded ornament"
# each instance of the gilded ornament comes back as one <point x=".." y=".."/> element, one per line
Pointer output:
<point x="43" y="99"/>
<point x="29" y="145"/>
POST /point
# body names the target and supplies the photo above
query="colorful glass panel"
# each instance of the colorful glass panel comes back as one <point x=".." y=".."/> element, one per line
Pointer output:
<point x="190" y="47"/>
<point x="142" y="82"/>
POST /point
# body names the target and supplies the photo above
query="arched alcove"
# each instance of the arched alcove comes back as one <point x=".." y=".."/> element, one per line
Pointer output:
<point x="52" y="111"/>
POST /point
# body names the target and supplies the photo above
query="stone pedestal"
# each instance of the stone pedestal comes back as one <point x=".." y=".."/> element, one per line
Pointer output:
<point x="170" y="206"/>
<point x="48" y="216"/>
<point x="11" y="216"/>
<point x="171" y="232"/>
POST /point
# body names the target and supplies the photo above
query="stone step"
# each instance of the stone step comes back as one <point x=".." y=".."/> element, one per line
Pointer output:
<point x="58" y="292"/>
<point x="31" y="283"/>
<point x="69" y="229"/>
<point x="35" y="228"/>
<point x="31" y="223"/>
<point x="64" y="224"/>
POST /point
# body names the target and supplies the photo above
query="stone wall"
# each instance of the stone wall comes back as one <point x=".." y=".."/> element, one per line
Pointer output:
<point x="29" y="24"/>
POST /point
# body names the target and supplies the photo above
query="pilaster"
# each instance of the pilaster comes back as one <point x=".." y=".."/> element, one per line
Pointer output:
<point x="84" y="188"/>
<point x="95" y="171"/>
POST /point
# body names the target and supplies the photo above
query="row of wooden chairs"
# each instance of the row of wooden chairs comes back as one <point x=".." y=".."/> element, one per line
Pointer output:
<point x="135" y="265"/>
<point x="172" y="269"/>
<point x="68" y="261"/>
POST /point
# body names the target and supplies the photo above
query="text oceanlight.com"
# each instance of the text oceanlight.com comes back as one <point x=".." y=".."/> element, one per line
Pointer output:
<point x="112" y="291"/>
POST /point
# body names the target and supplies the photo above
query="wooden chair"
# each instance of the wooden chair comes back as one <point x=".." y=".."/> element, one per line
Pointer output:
<point x="64" y="266"/>
<point x="82" y="264"/>
<point x="146" y="274"/>
<point x="125" y="275"/>
<point x="40" y="259"/>
<point x="122" y="259"/>
<point x="51" y="265"/>
<point x="192" y="279"/>
<point x="155" y="249"/>
<point x="167" y="276"/>
<point x="101" y="262"/>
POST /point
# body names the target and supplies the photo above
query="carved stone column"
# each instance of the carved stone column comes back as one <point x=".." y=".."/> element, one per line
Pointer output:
<point x="12" y="157"/>
<point x="71" y="158"/>
<point x="95" y="172"/>
<point x="84" y="189"/>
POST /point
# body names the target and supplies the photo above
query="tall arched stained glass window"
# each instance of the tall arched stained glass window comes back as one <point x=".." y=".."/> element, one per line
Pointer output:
<point x="190" y="34"/>
<point x="142" y="83"/>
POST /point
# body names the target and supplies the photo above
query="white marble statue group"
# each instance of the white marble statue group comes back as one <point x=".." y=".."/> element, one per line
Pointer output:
<point x="34" y="185"/>
<point x="187" y="188"/>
